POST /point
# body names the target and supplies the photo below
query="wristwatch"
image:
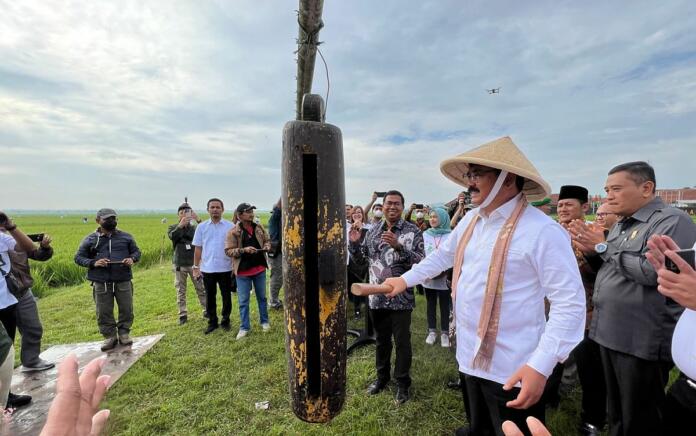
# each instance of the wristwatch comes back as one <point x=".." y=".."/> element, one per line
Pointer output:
<point x="601" y="247"/>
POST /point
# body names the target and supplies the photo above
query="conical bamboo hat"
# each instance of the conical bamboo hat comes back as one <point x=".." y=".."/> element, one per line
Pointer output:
<point x="502" y="154"/>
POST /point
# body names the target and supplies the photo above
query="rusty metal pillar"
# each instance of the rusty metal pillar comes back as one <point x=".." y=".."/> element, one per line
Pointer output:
<point x="314" y="263"/>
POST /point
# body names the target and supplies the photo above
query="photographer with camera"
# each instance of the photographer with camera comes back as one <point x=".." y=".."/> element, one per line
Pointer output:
<point x="181" y="235"/>
<point x="421" y="222"/>
<point x="11" y="238"/>
<point x="376" y="208"/>
<point x="108" y="254"/>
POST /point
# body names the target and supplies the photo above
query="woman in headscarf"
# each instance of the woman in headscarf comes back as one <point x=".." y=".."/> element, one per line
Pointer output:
<point x="436" y="288"/>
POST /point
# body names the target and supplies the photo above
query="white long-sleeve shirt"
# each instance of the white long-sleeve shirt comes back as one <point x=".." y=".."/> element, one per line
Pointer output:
<point x="540" y="264"/>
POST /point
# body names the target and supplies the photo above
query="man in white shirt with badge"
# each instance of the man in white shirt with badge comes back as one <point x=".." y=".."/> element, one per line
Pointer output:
<point x="507" y="257"/>
<point x="211" y="262"/>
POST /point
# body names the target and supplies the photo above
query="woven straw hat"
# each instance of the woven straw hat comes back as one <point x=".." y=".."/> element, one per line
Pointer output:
<point x="501" y="154"/>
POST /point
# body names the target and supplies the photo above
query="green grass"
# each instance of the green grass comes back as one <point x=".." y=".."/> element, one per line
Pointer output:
<point x="190" y="383"/>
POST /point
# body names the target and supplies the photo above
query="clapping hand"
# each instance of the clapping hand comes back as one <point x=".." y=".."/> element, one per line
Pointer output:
<point x="585" y="236"/>
<point x="390" y="238"/>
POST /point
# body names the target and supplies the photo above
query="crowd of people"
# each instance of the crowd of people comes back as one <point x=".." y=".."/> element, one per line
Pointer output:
<point x="525" y="300"/>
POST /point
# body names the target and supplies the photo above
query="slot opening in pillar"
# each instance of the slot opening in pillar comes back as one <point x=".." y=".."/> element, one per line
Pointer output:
<point x="311" y="263"/>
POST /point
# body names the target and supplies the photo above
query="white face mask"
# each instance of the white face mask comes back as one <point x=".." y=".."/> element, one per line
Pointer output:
<point x="379" y="214"/>
<point x="419" y="215"/>
<point x="257" y="220"/>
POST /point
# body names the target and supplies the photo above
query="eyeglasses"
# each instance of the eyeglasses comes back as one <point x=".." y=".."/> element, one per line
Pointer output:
<point x="604" y="214"/>
<point x="475" y="176"/>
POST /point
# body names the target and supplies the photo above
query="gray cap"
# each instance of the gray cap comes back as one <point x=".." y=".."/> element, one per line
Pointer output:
<point x="106" y="213"/>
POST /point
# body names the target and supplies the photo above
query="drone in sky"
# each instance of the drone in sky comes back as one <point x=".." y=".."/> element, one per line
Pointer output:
<point x="494" y="90"/>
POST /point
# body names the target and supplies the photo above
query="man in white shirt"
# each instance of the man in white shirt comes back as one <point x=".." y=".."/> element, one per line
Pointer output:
<point x="505" y="347"/>
<point x="211" y="262"/>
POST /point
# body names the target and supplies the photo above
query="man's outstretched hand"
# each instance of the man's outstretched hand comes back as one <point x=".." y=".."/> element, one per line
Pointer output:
<point x="74" y="410"/>
<point x="397" y="284"/>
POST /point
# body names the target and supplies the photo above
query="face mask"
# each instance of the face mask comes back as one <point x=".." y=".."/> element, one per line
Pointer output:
<point x="379" y="214"/>
<point x="257" y="220"/>
<point x="109" y="225"/>
<point x="419" y="215"/>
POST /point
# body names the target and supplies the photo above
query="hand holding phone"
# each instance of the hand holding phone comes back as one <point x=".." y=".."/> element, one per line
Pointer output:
<point x="689" y="256"/>
<point x="36" y="237"/>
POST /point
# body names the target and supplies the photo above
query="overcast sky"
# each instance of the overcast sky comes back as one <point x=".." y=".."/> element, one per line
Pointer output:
<point x="135" y="104"/>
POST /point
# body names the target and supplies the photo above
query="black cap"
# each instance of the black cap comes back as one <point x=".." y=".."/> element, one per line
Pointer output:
<point x="106" y="213"/>
<point x="572" y="191"/>
<point x="182" y="207"/>
<point x="243" y="207"/>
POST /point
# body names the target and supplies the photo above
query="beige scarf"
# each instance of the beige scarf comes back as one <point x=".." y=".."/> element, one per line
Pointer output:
<point x="489" y="320"/>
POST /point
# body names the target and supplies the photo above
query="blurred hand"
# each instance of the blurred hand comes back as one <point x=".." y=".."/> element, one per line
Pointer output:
<point x="101" y="263"/>
<point x="412" y="207"/>
<point x="197" y="273"/>
<point x="532" y="383"/>
<point x="461" y="198"/>
<point x="184" y="221"/>
<point x="46" y="241"/>
<point x="194" y="215"/>
<point x="658" y="245"/>
<point x="374" y="196"/>
<point x="391" y="239"/>
<point x="536" y="428"/>
<point x="250" y="250"/>
<point x="74" y="410"/>
<point x="128" y="261"/>
<point x="397" y="284"/>
<point x="354" y="234"/>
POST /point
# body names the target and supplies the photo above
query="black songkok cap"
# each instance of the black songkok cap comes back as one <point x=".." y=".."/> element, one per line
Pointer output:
<point x="572" y="191"/>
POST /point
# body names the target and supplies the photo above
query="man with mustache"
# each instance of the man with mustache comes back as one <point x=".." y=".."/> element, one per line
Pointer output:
<point x="507" y="257"/>
<point x="108" y="254"/>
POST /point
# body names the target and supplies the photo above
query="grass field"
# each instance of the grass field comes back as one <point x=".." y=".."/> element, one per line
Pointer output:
<point x="192" y="384"/>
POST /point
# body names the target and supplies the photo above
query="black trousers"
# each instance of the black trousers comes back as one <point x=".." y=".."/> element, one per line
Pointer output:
<point x="680" y="407"/>
<point x="591" y="375"/>
<point x="445" y="297"/>
<point x="8" y="317"/>
<point x="211" y="281"/>
<point x="635" y="393"/>
<point x="484" y="402"/>
<point x="357" y="300"/>
<point x="552" y="394"/>
<point x="396" y="323"/>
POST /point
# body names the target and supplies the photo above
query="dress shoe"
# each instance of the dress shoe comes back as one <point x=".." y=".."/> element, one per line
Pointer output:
<point x="183" y="319"/>
<point x="225" y="326"/>
<point x="401" y="395"/>
<point x="109" y="344"/>
<point x="16" y="401"/>
<point x="587" y="429"/>
<point x="211" y="328"/>
<point x="125" y="339"/>
<point x="456" y="384"/>
<point x="40" y="365"/>
<point x="376" y="387"/>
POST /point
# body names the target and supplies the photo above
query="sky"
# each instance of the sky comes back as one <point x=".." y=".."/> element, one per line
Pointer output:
<point x="136" y="104"/>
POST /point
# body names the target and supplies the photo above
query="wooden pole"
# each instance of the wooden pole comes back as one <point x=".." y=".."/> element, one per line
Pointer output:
<point x="309" y="20"/>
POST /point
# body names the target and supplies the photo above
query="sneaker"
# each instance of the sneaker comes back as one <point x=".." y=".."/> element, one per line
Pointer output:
<point x="444" y="340"/>
<point x="266" y="327"/>
<point x="109" y="344"/>
<point x="125" y="339"/>
<point x="183" y="319"/>
<point x="242" y="333"/>
<point x="430" y="339"/>
<point x="16" y="401"/>
<point x="40" y="365"/>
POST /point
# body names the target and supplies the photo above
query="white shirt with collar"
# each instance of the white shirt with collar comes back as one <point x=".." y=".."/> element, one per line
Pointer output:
<point x="684" y="343"/>
<point x="7" y="243"/>
<point x="540" y="264"/>
<point x="211" y="238"/>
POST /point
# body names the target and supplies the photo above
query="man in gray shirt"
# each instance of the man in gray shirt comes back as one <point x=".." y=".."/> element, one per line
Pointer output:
<point x="632" y="322"/>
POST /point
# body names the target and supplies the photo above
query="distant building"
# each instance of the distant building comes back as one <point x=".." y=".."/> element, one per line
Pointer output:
<point x="684" y="198"/>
